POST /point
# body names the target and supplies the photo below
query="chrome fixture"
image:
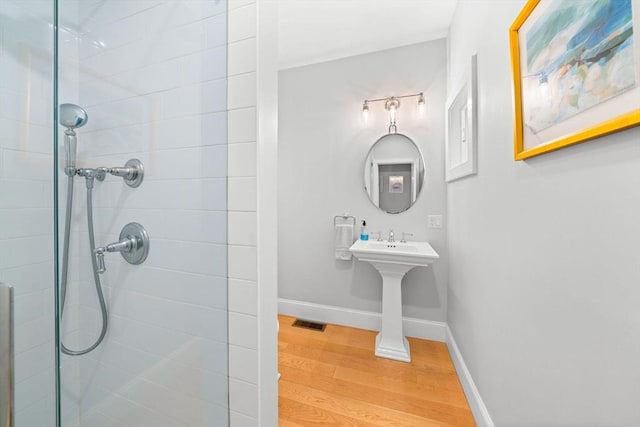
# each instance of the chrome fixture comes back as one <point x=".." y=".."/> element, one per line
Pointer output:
<point x="132" y="172"/>
<point x="90" y="174"/>
<point x="391" y="239"/>
<point x="7" y="355"/>
<point x="404" y="237"/>
<point x="391" y="104"/>
<point x="71" y="117"/>
<point x="133" y="246"/>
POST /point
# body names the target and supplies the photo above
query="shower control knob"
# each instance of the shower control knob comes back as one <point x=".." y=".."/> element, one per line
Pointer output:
<point x="133" y="246"/>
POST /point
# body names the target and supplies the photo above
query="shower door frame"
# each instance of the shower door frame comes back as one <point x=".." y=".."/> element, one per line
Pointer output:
<point x="56" y="260"/>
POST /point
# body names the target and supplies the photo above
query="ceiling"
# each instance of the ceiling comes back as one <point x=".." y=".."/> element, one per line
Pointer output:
<point x="312" y="31"/>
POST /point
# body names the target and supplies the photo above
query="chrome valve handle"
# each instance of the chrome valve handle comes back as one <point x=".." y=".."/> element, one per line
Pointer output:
<point x="133" y="246"/>
<point x="100" y="261"/>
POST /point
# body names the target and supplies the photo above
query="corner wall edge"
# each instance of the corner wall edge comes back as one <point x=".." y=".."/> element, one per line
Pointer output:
<point x="478" y="408"/>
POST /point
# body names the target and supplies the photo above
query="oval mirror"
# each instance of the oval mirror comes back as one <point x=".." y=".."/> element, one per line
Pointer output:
<point x="394" y="173"/>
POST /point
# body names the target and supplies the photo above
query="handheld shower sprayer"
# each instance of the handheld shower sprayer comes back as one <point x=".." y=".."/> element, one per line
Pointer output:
<point x="72" y="117"/>
<point x="133" y="243"/>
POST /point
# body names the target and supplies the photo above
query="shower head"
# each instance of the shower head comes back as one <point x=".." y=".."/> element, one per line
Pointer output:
<point x="72" y="116"/>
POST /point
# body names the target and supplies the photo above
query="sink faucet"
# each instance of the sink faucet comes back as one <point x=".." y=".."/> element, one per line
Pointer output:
<point x="391" y="239"/>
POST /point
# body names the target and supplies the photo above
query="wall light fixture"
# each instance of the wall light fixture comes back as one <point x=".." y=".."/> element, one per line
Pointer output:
<point x="391" y="104"/>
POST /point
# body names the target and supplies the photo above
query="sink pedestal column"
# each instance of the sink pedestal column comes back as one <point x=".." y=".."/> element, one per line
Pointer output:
<point x="390" y="342"/>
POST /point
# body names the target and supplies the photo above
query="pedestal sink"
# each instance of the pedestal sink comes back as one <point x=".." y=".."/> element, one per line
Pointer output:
<point x="393" y="260"/>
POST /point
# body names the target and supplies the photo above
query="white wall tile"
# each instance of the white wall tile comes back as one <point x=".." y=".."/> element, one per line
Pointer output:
<point x="242" y="125"/>
<point x="242" y="159"/>
<point x="242" y="194"/>
<point x="242" y="364"/>
<point x="243" y="330"/>
<point x="25" y="251"/>
<point x="243" y="296"/>
<point x="188" y="194"/>
<point x="242" y="91"/>
<point x="25" y="164"/>
<point x="242" y="262"/>
<point x="188" y="225"/>
<point x="242" y="57"/>
<point x="39" y="413"/>
<point x="242" y="23"/>
<point x="201" y="98"/>
<point x="25" y="194"/>
<point x="242" y="228"/>
<point x="189" y="257"/>
<point x="243" y="397"/>
<point x="25" y="222"/>
<point x="216" y="31"/>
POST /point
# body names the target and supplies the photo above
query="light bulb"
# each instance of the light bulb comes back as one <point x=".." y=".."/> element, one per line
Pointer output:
<point x="392" y="104"/>
<point x="392" y="114"/>
<point x="421" y="103"/>
<point x="365" y="111"/>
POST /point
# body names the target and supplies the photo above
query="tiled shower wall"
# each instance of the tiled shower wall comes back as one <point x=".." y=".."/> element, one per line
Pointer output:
<point x="26" y="200"/>
<point x="152" y="77"/>
<point x="242" y="133"/>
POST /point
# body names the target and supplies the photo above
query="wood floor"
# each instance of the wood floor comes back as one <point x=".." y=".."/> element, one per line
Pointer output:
<point x="332" y="378"/>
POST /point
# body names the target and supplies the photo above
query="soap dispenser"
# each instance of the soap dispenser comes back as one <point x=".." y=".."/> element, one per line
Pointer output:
<point x="364" y="234"/>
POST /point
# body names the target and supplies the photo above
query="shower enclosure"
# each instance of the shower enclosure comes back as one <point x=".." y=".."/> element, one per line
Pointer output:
<point x="113" y="213"/>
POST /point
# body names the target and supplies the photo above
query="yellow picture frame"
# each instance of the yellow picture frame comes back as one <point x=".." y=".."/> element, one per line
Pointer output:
<point x="581" y="132"/>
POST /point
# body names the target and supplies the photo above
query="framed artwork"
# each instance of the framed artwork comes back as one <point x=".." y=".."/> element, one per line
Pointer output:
<point x="396" y="184"/>
<point x="576" y="72"/>
<point x="461" y="149"/>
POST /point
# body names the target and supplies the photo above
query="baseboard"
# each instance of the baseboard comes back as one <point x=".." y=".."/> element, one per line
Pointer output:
<point x="416" y="328"/>
<point x="479" y="410"/>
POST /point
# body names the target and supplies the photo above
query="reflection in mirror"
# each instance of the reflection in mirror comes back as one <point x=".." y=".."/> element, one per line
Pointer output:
<point x="394" y="173"/>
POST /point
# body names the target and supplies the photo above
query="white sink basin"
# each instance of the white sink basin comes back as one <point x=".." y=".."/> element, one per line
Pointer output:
<point x="410" y="253"/>
<point x="393" y="260"/>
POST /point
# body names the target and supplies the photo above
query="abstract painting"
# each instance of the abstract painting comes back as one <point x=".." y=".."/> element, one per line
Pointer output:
<point x="574" y="61"/>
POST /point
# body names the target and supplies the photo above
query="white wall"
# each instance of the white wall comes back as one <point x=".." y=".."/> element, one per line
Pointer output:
<point x="323" y="143"/>
<point x="153" y="81"/>
<point x="544" y="256"/>
<point x="26" y="201"/>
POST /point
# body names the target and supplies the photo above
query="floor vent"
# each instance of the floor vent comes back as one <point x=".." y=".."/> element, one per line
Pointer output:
<point x="299" y="323"/>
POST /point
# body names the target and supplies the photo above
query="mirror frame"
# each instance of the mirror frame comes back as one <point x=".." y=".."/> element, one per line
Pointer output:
<point x="422" y="175"/>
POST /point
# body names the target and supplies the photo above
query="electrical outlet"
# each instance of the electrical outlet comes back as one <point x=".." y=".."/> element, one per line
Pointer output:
<point x="435" y="221"/>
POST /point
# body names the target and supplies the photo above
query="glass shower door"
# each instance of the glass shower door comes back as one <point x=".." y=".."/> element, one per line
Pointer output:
<point x="142" y="143"/>
<point x="26" y="205"/>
